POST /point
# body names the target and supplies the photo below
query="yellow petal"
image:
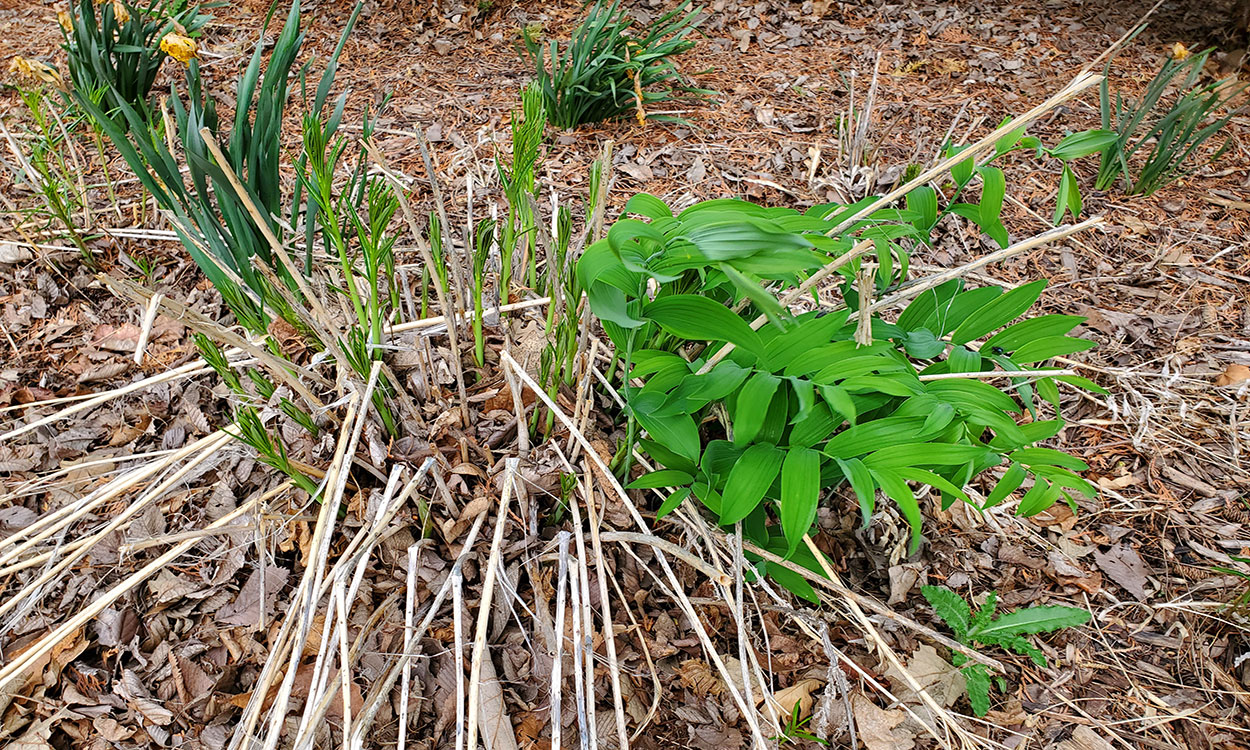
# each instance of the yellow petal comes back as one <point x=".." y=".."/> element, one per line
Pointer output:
<point x="181" y="48"/>
<point x="1179" y="52"/>
<point x="66" y="21"/>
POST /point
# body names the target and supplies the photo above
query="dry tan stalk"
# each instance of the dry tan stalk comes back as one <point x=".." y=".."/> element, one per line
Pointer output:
<point x="908" y="291"/>
<point x="51" y="523"/>
<point x="298" y="621"/>
<point x="609" y="630"/>
<point x="488" y="592"/>
<point x="145" y="330"/>
<point x="457" y="628"/>
<point x="884" y="648"/>
<point x="208" y="447"/>
<point x="284" y="370"/>
<point x="557" y="661"/>
<point x="15" y="669"/>
<point x="345" y="663"/>
<point x="1083" y="81"/>
<point x="409" y="597"/>
<point x="386" y="684"/>
<point x="793" y="296"/>
<point x="423" y="246"/>
<point x="467" y="317"/>
<point x="680" y="596"/>
<point x="583" y="630"/>
<point x="522" y="428"/>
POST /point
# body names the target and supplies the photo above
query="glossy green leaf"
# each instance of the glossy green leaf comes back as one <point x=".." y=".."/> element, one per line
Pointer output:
<point x="999" y="312"/>
<point x="800" y="493"/>
<point x="662" y="478"/>
<point x="692" y="316"/>
<point x="752" y="406"/>
<point x="753" y="473"/>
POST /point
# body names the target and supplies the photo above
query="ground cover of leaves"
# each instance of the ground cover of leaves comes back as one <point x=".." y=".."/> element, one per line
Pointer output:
<point x="1163" y="284"/>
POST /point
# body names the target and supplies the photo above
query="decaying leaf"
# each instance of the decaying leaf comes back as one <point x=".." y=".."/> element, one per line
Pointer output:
<point x="800" y="694"/>
<point x="1232" y="375"/>
<point x="1125" y="567"/>
<point x="878" y="728"/>
<point x="934" y="674"/>
<point x="697" y="676"/>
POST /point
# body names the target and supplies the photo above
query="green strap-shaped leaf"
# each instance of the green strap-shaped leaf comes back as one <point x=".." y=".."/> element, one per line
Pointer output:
<point x="800" y="493"/>
<point x="753" y="473"/>
<point x="662" y="478"/>
<point x="862" y="484"/>
<point x="999" y="312"/>
<point x="896" y="487"/>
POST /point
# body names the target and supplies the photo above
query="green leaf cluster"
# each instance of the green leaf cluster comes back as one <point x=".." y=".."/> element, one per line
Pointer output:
<point x="212" y="221"/>
<point x="1007" y="631"/>
<point x="799" y="408"/>
<point x="123" y="54"/>
<point x="599" y="71"/>
<point x="1167" y="135"/>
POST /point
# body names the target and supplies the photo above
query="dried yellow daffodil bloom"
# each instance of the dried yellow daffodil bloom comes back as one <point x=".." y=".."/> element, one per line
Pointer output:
<point x="179" y="47"/>
<point x="1179" y="52"/>
<point x="31" y="71"/>
<point x="66" y="21"/>
<point x="120" y="13"/>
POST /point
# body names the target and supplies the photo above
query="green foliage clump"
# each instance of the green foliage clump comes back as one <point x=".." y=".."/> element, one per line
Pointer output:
<point x="1006" y="631"/>
<point x="116" y="46"/>
<point x="604" y="73"/>
<point x="214" y="222"/>
<point x="817" y="401"/>
<point x="1167" y="135"/>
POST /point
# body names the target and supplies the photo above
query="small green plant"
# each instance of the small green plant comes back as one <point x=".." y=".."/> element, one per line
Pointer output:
<point x="1240" y="603"/>
<point x="605" y="73"/>
<point x="519" y="230"/>
<point x="796" y="730"/>
<point x="1006" y="631"/>
<point x="1167" y="135"/>
<point x="117" y="45"/>
<point x="43" y="165"/>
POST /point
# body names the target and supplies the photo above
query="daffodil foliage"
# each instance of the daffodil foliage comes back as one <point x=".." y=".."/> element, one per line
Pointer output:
<point x="943" y="395"/>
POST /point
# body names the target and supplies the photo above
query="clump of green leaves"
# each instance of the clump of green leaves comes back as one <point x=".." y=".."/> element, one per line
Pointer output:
<point x="518" y="232"/>
<point x="601" y="71"/>
<point x="1165" y="134"/>
<point x="116" y="45"/>
<point x="796" y="730"/>
<point x="1007" y="631"/>
<point x="212" y="220"/>
<point x="814" y="402"/>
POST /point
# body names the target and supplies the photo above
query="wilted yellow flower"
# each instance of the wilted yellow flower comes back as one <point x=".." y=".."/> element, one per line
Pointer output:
<point x="31" y="71"/>
<point x="120" y="13"/>
<point x="66" y="21"/>
<point x="179" y="47"/>
<point x="1179" y="52"/>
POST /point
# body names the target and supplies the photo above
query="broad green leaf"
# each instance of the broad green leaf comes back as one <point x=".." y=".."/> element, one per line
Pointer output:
<point x="793" y="582"/>
<point x="751" y="288"/>
<point x="1015" y="336"/>
<point x="800" y="493"/>
<point x="923" y="201"/>
<point x="924" y="454"/>
<point x="647" y="205"/>
<point x="699" y="318"/>
<point x="922" y="344"/>
<point x="1050" y="347"/>
<point x="1048" y="457"/>
<point x="671" y="503"/>
<point x="993" y="192"/>
<point x="999" y="312"/>
<point x="752" y="475"/>
<point x="896" y="487"/>
<point x="1084" y="143"/>
<point x="662" y="478"/>
<point x="677" y="433"/>
<point x="977" y="683"/>
<point x="752" y="406"/>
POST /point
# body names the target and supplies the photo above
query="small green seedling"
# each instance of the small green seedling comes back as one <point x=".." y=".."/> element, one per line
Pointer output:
<point x="1007" y="631"/>
<point x="796" y="730"/>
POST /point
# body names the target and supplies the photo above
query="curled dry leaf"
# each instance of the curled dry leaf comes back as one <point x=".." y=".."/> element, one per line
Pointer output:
<point x="800" y="694"/>
<point x="878" y="728"/>
<point x="1232" y="375"/>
